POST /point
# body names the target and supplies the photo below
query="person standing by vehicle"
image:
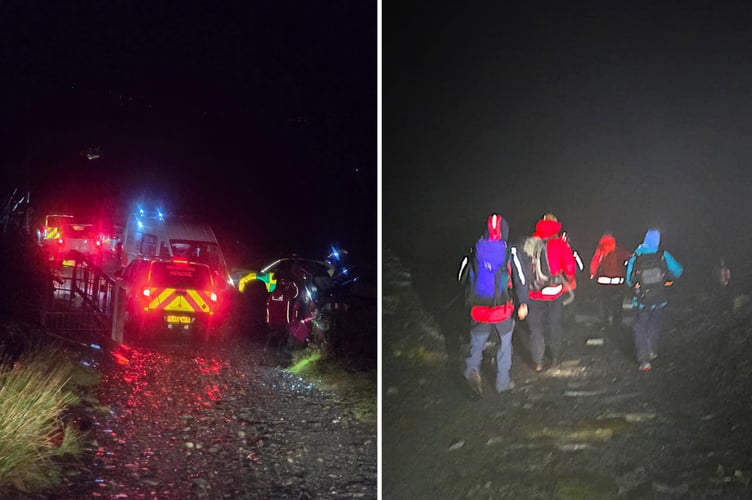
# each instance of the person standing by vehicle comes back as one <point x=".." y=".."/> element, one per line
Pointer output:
<point x="495" y="283"/>
<point x="650" y="272"/>
<point x="549" y="264"/>
<point x="608" y="269"/>
<point x="281" y="312"/>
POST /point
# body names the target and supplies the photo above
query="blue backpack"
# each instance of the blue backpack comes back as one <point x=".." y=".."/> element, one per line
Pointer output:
<point x="487" y="276"/>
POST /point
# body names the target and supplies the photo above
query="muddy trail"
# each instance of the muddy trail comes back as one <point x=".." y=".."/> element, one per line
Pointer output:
<point x="595" y="428"/>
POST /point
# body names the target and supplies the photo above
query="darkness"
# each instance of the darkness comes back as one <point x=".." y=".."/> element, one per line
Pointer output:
<point x="259" y="116"/>
<point x="614" y="116"/>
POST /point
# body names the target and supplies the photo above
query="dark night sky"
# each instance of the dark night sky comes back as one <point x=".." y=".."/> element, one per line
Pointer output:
<point x="614" y="116"/>
<point x="181" y="95"/>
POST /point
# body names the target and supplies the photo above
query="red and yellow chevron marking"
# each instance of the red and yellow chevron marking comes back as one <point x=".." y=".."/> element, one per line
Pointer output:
<point x="191" y="301"/>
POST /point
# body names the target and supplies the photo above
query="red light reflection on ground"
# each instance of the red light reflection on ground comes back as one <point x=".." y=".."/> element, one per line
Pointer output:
<point x="213" y="392"/>
<point x="120" y="359"/>
<point x="209" y="366"/>
<point x="166" y="395"/>
<point x="151" y="388"/>
<point x="122" y="354"/>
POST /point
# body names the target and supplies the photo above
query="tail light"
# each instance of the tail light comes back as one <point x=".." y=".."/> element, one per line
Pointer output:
<point x="213" y="297"/>
<point x="60" y="241"/>
<point x="146" y="292"/>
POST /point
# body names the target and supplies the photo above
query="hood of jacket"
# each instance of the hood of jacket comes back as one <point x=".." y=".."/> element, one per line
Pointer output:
<point x="607" y="243"/>
<point x="546" y="228"/>
<point x="497" y="223"/>
<point x="650" y="243"/>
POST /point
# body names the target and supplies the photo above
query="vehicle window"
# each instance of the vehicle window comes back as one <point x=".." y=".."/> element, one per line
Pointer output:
<point x="57" y="220"/>
<point x="149" y="245"/>
<point x="79" y="231"/>
<point x="180" y="275"/>
<point x="198" y="251"/>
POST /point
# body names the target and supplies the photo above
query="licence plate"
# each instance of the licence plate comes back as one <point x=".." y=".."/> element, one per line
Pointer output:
<point x="179" y="319"/>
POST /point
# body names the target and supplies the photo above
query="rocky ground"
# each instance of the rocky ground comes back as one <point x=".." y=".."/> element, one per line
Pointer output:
<point x="596" y="428"/>
<point x="172" y="419"/>
<point x="179" y="419"/>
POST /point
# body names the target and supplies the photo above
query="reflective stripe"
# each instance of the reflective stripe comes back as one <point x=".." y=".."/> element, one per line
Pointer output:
<point x="463" y="265"/>
<point x="518" y="265"/>
<point x="198" y="300"/>
<point x="579" y="261"/>
<point x="605" y="280"/>
<point x="551" y="290"/>
<point x="191" y="301"/>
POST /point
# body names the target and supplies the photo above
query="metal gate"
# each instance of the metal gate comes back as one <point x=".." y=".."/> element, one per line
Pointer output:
<point x="82" y="299"/>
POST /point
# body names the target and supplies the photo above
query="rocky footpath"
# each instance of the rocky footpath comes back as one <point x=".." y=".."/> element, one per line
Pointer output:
<point x="173" y="419"/>
<point x="595" y="427"/>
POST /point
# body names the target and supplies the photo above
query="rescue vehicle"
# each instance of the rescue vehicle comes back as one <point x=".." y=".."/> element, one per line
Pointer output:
<point x="77" y="239"/>
<point x="169" y="294"/>
<point x="49" y="232"/>
<point x="156" y="235"/>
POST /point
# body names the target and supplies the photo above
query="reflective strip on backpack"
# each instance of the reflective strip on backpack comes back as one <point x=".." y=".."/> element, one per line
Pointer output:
<point x="463" y="265"/>
<point x="605" y="280"/>
<point x="518" y="265"/>
<point x="577" y="258"/>
<point x="551" y="290"/>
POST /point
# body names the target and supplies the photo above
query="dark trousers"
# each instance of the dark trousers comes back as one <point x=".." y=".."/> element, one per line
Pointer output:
<point x="545" y="322"/>
<point x="611" y="305"/>
<point x="647" y="331"/>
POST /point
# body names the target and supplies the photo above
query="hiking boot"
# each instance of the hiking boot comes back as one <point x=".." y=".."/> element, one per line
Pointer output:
<point x="538" y="368"/>
<point x="645" y="366"/>
<point x="509" y="387"/>
<point x="475" y="382"/>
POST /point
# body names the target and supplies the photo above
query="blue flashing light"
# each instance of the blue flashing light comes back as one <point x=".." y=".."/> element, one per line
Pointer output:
<point x="140" y="224"/>
<point x="334" y="254"/>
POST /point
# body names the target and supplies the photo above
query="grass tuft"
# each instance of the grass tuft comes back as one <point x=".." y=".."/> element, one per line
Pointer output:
<point x="331" y="374"/>
<point x="34" y="393"/>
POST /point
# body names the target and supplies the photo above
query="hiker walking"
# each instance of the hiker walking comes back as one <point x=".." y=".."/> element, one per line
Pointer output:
<point x="570" y="285"/>
<point x="608" y="269"/>
<point x="650" y="272"/>
<point x="549" y="264"/>
<point x="495" y="284"/>
<point x="723" y="277"/>
<point x="724" y="273"/>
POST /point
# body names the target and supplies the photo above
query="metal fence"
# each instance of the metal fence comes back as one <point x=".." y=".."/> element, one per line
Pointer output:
<point x="82" y="299"/>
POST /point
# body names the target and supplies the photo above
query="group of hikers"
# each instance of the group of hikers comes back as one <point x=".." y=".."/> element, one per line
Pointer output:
<point x="534" y="278"/>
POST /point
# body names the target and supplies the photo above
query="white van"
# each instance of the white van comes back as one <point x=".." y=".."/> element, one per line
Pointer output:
<point x="173" y="236"/>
